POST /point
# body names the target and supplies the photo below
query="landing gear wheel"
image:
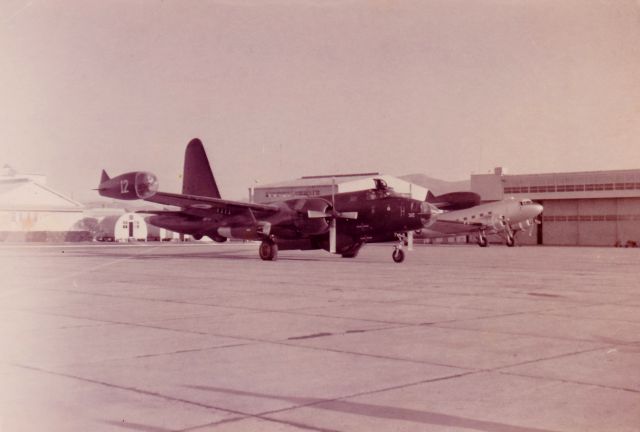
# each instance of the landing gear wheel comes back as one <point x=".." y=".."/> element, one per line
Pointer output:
<point x="482" y="241"/>
<point x="511" y="241"/>
<point x="268" y="250"/>
<point x="398" y="255"/>
<point x="352" y="252"/>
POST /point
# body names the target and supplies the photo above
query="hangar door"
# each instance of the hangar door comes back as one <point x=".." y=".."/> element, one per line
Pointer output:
<point x="591" y="222"/>
<point x="597" y="222"/>
<point x="560" y="222"/>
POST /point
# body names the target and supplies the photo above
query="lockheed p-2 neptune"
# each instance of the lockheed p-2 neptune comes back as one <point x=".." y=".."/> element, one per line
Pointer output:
<point x="339" y="223"/>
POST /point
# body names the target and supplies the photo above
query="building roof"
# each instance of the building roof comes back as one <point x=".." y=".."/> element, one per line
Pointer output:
<point x="587" y="174"/>
<point x="22" y="193"/>
<point x="324" y="180"/>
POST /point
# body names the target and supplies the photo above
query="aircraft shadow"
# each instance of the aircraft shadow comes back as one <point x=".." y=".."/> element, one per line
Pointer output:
<point x="382" y="412"/>
<point x="240" y="255"/>
<point x="135" y="426"/>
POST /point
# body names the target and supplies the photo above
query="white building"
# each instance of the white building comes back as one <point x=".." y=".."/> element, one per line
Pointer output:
<point x="31" y="211"/>
<point x="123" y="227"/>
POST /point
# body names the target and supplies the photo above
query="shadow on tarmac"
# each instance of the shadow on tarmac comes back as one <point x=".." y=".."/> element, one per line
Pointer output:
<point x="379" y="411"/>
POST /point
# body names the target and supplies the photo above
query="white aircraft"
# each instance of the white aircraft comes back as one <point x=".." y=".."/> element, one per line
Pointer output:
<point x="505" y="218"/>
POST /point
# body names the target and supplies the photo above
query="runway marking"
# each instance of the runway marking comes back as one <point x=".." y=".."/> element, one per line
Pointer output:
<point x="568" y="381"/>
<point x="544" y="295"/>
<point x="311" y="336"/>
<point x="169" y="398"/>
<point x="96" y="267"/>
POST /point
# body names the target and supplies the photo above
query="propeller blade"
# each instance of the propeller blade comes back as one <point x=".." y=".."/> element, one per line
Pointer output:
<point x="332" y="236"/>
<point x="315" y="214"/>
<point x="348" y="215"/>
<point x="333" y="192"/>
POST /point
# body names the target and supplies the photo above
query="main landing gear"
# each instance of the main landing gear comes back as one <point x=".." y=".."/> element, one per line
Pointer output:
<point x="352" y="251"/>
<point x="268" y="250"/>
<point x="511" y="240"/>
<point x="509" y="237"/>
<point x="398" y="252"/>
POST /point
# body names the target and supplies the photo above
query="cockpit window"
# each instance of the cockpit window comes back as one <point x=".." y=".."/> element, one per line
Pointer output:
<point x="380" y="184"/>
<point x="526" y="202"/>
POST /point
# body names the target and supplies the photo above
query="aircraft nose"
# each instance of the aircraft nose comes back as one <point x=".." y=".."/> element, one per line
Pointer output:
<point x="537" y="209"/>
<point x="427" y="213"/>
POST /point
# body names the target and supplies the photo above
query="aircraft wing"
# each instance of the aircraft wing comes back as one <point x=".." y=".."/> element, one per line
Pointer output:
<point x="200" y="203"/>
<point x="446" y="227"/>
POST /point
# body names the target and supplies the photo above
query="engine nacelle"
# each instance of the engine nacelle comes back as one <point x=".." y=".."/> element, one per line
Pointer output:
<point x="312" y="225"/>
<point x="217" y="238"/>
<point x="130" y="186"/>
<point x="498" y="223"/>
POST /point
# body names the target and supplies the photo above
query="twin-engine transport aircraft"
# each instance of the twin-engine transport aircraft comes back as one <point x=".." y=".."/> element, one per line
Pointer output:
<point x="339" y="223"/>
<point x="506" y="218"/>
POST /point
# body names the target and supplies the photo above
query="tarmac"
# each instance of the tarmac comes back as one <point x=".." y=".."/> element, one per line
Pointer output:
<point x="207" y="337"/>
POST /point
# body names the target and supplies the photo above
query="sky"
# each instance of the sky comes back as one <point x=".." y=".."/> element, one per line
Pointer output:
<point x="278" y="89"/>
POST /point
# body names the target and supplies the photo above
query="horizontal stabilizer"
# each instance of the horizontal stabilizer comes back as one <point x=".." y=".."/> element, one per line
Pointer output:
<point x="454" y="200"/>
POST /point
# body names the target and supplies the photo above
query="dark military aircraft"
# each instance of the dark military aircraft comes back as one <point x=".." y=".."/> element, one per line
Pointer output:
<point x="339" y="223"/>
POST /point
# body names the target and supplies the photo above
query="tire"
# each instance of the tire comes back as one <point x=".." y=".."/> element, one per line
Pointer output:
<point x="482" y="241"/>
<point x="511" y="241"/>
<point x="352" y="252"/>
<point x="398" y="255"/>
<point x="268" y="251"/>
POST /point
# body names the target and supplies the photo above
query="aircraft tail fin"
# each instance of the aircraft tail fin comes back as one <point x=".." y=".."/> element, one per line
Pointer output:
<point x="430" y="196"/>
<point x="197" y="176"/>
<point x="104" y="177"/>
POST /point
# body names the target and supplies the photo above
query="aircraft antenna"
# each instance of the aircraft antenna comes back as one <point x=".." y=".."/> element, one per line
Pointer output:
<point x="332" y="224"/>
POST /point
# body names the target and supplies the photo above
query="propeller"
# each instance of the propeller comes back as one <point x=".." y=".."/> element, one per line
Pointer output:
<point x="535" y="221"/>
<point x="333" y="215"/>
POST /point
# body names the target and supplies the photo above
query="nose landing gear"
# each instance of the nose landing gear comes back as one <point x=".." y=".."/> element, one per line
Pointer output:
<point x="398" y="252"/>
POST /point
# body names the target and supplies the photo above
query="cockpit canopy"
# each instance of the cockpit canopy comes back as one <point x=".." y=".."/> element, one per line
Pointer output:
<point x="381" y="184"/>
<point x="382" y="190"/>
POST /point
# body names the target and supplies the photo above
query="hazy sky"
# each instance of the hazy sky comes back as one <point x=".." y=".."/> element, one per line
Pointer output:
<point x="277" y="89"/>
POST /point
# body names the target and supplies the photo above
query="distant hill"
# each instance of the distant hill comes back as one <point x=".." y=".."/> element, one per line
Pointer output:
<point x="437" y="186"/>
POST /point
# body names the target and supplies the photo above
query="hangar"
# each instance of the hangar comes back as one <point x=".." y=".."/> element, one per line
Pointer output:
<point x="323" y="185"/>
<point x="591" y="208"/>
<point x="31" y="211"/>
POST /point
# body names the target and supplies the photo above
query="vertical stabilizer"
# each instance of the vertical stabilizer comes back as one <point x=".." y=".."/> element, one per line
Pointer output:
<point x="104" y="177"/>
<point x="197" y="177"/>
